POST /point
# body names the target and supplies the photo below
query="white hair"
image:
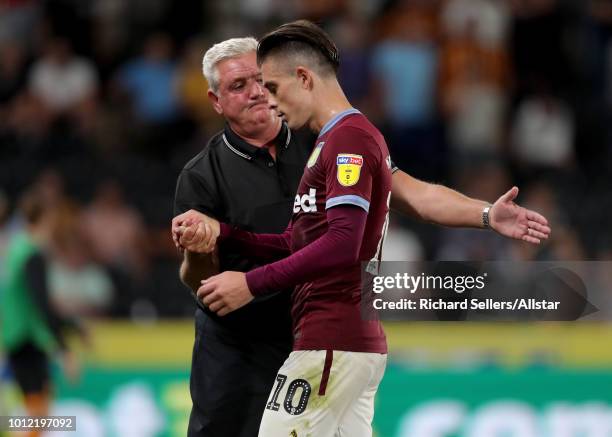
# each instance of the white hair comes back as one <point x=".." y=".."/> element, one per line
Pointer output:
<point x="231" y="48"/>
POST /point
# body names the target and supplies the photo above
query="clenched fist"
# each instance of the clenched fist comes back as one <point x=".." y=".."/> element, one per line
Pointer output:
<point x="195" y="232"/>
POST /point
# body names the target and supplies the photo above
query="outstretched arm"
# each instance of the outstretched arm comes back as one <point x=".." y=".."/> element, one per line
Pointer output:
<point x="443" y="206"/>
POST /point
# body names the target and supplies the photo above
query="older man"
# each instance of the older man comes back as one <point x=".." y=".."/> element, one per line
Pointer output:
<point x="247" y="175"/>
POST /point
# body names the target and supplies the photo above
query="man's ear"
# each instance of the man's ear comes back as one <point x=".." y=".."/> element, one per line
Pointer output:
<point x="305" y="77"/>
<point x="214" y="99"/>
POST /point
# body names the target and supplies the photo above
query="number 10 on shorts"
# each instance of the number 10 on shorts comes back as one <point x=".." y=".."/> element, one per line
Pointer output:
<point x="291" y="405"/>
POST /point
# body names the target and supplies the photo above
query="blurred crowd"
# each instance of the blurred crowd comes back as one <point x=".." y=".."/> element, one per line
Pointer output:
<point x="103" y="101"/>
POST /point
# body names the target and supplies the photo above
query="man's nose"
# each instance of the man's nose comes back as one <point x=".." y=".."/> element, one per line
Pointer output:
<point x="257" y="90"/>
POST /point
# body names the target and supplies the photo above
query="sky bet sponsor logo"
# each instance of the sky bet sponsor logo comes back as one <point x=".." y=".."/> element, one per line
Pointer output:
<point x="349" y="159"/>
<point x="306" y="202"/>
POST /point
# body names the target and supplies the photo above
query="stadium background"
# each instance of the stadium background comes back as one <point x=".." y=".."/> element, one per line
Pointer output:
<point x="102" y="102"/>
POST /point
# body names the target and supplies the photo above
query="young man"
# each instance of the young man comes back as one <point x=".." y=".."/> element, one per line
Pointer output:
<point x="327" y="385"/>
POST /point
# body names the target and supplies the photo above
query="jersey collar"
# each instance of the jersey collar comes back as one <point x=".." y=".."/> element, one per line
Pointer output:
<point x="336" y="118"/>
<point x="244" y="149"/>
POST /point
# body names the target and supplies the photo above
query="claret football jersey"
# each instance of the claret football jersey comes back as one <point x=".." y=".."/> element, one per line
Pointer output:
<point x="349" y="165"/>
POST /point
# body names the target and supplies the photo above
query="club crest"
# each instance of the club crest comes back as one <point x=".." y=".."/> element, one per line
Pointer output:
<point x="315" y="154"/>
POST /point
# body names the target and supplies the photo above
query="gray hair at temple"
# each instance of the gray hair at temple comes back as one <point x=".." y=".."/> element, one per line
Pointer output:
<point x="231" y="48"/>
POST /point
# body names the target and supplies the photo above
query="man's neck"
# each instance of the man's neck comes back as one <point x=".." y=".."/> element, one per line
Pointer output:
<point x="260" y="137"/>
<point x="332" y="102"/>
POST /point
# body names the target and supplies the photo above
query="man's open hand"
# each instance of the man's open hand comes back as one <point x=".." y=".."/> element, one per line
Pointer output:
<point x="513" y="221"/>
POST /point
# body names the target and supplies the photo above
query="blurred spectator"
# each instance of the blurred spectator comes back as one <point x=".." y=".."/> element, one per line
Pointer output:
<point x="150" y="81"/>
<point x="78" y="285"/>
<point x="404" y="65"/>
<point x="192" y="89"/>
<point x="352" y="37"/>
<point x="543" y="132"/>
<point x="115" y="231"/>
<point x="474" y="75"/>
<point x="491" y="20"/>
<point x="110" y="34"/>
<point x="63" y="82"/>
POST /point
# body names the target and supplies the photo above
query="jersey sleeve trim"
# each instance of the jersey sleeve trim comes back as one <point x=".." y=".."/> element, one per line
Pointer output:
<point x="349" y="199"/>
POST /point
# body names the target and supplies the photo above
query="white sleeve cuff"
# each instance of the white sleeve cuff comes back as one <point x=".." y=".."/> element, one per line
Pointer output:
<point x="349" y="199"/>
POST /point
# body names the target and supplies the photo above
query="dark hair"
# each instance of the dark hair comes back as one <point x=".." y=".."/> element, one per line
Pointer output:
<point x="301" y="37"/>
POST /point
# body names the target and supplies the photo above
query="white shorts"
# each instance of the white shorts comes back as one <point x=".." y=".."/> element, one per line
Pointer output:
<point x="324" y="394"/>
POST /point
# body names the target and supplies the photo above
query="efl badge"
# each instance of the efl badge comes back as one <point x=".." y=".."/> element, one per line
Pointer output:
<point x="349" y="169"/>
<point x="315" y="154"/>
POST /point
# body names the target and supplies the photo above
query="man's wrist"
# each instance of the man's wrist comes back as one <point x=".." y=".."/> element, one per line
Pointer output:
<point x="191" y="256"/>
<point x="486" y="217"/>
